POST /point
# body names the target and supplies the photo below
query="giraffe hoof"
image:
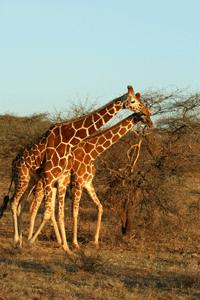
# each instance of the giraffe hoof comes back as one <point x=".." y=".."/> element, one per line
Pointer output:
<point x="20" y="243"/>
<point x="31" y="241"/>
<point x="29" y="245"/>
<point x="67" y="250"/>
<point x="76" y="247"/>
<point x="94" y="244"/>
<point x="17" y="244"/>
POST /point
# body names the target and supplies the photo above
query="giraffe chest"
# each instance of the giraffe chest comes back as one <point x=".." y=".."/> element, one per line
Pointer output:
<point x="57" y="167"/>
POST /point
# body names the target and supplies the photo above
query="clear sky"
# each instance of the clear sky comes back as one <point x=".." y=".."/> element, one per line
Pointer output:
<point x="57" y="52"/>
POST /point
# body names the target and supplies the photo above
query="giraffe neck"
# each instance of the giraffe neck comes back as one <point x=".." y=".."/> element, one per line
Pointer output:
<point x="96" y="145"/>
<point x="81" y="128"/>
<point x="106" y="112"/>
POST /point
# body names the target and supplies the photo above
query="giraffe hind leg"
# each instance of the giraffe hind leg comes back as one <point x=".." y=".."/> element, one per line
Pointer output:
<point x="16" y="211"/>
<point x="91" y="191"/>
<point x="19" y="224"/>
<point x="35" y="204"/>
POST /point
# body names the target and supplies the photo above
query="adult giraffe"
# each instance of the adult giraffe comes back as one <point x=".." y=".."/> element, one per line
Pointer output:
<point x="83" y="170"/>
<point x="51" y="155"/>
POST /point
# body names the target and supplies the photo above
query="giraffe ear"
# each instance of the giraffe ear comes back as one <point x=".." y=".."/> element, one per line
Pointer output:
<point x="130" y="90"/>
<point x="138" y="95"/>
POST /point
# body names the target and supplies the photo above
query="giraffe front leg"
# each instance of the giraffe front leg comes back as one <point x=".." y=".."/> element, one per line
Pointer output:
<point x="48" y="214"/>
<point x="77" y="191"/>
<point x="93" y="195"/>
<point x="62" y="185"/>
<point x="46" y="217"/>
<point x="62" y="227"/>
<point x="53" y="219"/>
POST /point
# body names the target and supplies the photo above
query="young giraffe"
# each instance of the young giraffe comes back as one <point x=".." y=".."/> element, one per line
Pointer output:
<point x="83" y="170"/>
<point x="52" y="156"/>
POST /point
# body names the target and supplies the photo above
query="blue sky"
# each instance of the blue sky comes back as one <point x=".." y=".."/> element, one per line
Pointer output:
<point x="54" y="53"/>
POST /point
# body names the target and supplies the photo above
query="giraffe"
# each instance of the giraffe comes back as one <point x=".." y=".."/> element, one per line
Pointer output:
<point x="59" y="176"/>
<point x="83" y="170"/>
<point x="50" y="158"/>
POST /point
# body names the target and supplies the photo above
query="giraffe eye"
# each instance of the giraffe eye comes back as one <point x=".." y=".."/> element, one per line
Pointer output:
<point x="132" y="100"/>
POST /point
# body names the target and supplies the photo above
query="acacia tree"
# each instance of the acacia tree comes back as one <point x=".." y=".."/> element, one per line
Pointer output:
<point x="166" y="155"/>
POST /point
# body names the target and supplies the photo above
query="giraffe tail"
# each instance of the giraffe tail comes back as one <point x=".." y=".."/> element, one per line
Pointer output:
<point x="4" y="205"/>
<point x="5" y="201"/>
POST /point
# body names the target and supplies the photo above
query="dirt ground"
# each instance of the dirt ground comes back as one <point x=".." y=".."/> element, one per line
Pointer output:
<point x="141" y="268"/>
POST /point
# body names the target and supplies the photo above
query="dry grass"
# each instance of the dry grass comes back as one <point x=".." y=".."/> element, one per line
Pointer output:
<point x="136" y="269"/>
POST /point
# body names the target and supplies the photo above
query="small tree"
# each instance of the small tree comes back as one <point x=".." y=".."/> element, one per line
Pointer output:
<point x="167" y="155"/>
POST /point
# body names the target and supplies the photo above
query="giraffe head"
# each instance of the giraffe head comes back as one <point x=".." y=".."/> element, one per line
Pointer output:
<point x="135" y="103"/>
<point x="140" y="117"/>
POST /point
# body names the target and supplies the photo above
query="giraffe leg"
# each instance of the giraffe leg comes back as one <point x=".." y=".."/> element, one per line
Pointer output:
<point x="53" y="219"/>
<point x="16" y="210"/>
<point x="77" y="192"/>
<point x="19" y="224"/>
<point x="49" y="214"/>
<point x="62" y="185"/>
<point x="39" y="194"/>
<point x="90" y="188"/>
<point x="32" y="240"/>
